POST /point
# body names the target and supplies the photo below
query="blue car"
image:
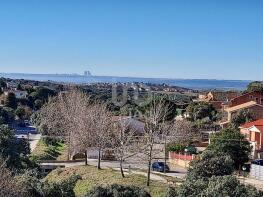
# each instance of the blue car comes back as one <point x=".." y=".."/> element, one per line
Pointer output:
<point x="258" y="162"/>
<point x="160" y="167"/>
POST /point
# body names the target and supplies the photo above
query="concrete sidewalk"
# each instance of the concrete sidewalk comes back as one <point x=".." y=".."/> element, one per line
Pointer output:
<point x="251" y="181"/>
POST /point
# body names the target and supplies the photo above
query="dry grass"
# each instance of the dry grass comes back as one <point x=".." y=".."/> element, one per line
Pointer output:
<point x="49" y="152"/>
<point x="92" y="177"/>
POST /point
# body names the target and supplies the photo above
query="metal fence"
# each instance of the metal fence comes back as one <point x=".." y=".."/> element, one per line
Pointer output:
<point x="184" y="157"/>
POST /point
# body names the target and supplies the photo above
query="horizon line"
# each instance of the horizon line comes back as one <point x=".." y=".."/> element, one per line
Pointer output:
<point x="162" y="78"/>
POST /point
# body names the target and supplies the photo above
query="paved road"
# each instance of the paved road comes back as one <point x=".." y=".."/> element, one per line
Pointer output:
<point x="28" y="132"/>
<point x="178" y="172"/>
<point x="24" y="130"/>
<point x="33" y="139"/>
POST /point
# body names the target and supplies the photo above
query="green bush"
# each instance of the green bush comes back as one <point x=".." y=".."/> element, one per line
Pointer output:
<point x="171" y="192"/>
<point x="217" y="187"/>
<point x="51" y="141"/>
<point x="230" y="141"/>
<point x="117" y="191"/>
<point x="34" y="186"/>
<point x="210" y="164"/>
<point x="191" y="150"/>
<point x="13" y="151"/>
<point x="177" y="148"/>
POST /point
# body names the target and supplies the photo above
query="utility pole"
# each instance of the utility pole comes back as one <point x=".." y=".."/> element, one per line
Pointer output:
<point x="165" y="159"/>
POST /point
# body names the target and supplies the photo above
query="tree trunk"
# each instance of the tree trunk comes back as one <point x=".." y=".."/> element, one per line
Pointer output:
<point x="69" y="155"/>
<point x="86" y="156"/>
<point x="122" y="173"/>
<point x="165" y="159"/>
<point x="99" y="159"/>
<point x="149" y="167"/>
<point x="69" y="146"/>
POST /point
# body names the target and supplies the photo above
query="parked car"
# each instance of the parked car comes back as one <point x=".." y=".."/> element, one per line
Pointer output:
<point x="160" y="167"/>
<point x="258" y="162"/>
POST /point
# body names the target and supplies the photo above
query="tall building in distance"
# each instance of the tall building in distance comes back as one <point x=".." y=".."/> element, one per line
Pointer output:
<point x="87" y="73"/>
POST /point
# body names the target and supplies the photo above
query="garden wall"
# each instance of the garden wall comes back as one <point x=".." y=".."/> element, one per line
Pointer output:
<point x="178" y="159"/>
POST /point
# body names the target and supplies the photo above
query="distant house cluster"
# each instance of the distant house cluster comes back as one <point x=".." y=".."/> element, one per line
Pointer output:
<point x="230" y="103"/>
<point x="219" y="99"/>
<point x="18" y="93"/>
<point x="252" y="101"/>
<point x="254" y="134"/>
<point x="12" y="87"/>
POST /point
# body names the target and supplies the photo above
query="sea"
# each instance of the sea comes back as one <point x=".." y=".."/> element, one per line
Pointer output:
<point x="196" y="84"/>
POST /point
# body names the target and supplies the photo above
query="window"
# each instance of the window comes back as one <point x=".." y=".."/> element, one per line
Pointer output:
<point x="257" y="100"/>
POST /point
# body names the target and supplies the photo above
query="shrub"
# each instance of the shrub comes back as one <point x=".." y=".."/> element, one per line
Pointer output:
<point x="171" y="192"/>
<point x="191" y="150"/>
<point x="34" y="186"/>
<point x="117" y="191"/>
<point x="30" y="182"/>
<point x="217" y="187"/>
<point x="230" y="141"/>
<point x="51" y="141"/>
<point x="177" y="148"/>
<point x="229" y="186"/>
<point x="210" y="164"/>
<point x="8" y="185"/>
<point x="12" y="150"/>
<point x="192" y="188"/>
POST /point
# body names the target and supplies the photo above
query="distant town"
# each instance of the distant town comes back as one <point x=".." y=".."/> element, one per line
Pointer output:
<point x="152" y="138"/>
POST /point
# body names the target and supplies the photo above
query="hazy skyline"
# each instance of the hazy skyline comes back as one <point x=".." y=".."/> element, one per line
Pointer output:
<point x="174" y="39"/>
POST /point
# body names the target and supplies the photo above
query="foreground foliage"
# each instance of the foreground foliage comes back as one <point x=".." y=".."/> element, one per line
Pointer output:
<point x="117" y="191"/>
<point x="33" y="185"/>
<point x="219" y="186"/>
<point x="230" y="141"/>
<point x="13" y="150"/>
<point x="8" y="185"/>
<point x="92" y="177"/>
<point x="210" y="164"/>
<point x="210" y="176"/>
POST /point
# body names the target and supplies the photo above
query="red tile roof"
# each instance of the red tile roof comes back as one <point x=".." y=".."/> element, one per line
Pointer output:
<point x="243" y="106"/>
<point x="257" y="123"/>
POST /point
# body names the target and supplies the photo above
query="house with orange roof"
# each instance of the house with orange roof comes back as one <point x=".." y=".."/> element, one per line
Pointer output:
<point x="218" y="98"/>
<point x="252" y="101"/>
<point x="248" y="97"/>
<point x="254" y="134"/>
<point x="255" y="108"/>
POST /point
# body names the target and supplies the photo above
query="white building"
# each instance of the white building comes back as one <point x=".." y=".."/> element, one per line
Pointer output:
<point x="18" y="93"/>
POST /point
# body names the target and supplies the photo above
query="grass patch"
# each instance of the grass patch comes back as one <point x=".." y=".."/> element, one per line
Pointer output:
<point x="44" y="151"/>
<point x="92" y="177"/>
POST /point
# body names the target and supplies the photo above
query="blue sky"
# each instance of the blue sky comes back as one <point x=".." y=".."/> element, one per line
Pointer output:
<point x="220" y="39"/>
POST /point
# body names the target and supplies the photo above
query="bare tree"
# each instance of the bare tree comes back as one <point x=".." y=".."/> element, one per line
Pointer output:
<point x="101" y="129"/>
<point x="67" y="116"/>
<point x="181" y="131"/>
<point x="161" y="129"/>
<point x="82" y="123"/>
<point x="125" y="143"/>
<point x="155" y="126"/>
<point x="8" y="185"/>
